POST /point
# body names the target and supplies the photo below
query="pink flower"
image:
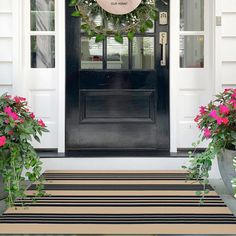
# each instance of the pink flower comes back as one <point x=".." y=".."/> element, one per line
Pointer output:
<point x="225" y="120"/>
<point x="2" y="141"/>
<point x="219" y="120"/>
<point x="8" y="110"/>
<point x="22" y="121"/>
<point x="13" y="115"/>
<point x="22" y="99"/>
<point x="17" y="99"/>
<point x="207" y="133"/>
<point x="233" y="96"/>
<point x="224" y="110"/>
<point x="202" y="110"/>
<point x="213" y="114"/>
<point x="196" y="119"/>
<point x="41" y="123"/>
<point x="32" y="115"/>
<point x="11" y="132"/>
<point x="227" y="90"/>
<point x="6" y="121"/>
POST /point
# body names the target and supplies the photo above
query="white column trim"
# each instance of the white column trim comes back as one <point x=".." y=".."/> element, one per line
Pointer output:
<point x="61" y="38"/>
<point x="217" y="46"/>
<point x="174" y="64"/>
<point x="17" y="56"/>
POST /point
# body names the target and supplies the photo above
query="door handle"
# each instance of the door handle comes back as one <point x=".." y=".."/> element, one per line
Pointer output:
<point x="163" y="43"/>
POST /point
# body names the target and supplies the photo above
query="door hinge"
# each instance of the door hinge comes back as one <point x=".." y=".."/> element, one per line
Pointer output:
<point x="218" y="21"/>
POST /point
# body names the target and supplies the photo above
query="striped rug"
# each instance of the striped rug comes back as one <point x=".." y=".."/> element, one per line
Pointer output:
<point x="119" y="202"/>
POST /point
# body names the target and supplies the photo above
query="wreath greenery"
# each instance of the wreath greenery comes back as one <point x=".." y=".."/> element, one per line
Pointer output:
<point x="138" y="21"/>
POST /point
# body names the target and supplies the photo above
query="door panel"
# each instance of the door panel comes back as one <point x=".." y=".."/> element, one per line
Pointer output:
<point x="121" y="99"/>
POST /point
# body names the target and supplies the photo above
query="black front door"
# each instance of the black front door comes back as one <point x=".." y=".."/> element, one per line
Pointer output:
<point x="117" y="96"/>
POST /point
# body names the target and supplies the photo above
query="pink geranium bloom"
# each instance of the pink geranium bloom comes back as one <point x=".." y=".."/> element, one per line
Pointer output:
<point x="202" y="110"/>
<point x="13" y="115"/>
<point x="207" y="133"/>
<point x="8" y="110"/>
<point x="41" y="123"/>
<point x="225" y="120"/>
<point x="2" y="141"/>
<point x="227" y="90"/>
<point x="22" y="99"/>
<point x="32" y="115"/>
<point x="196" y="119"/>
<point x="219" y="120"/>
<point x="8" y="96"/>
<point x="17" y="99"/>
<point x="213" y="114"/>
<point x="11" y="132"/>
<point x="224" y="110"/>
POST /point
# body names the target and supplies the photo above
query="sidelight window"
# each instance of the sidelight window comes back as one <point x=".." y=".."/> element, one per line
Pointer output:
<point x="42" y="30"/>
<point x="192" y="33"/>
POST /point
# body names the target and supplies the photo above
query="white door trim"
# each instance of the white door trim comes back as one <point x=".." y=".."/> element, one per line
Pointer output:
<point x="61" y="50"/>
<point x="174" y="67"/>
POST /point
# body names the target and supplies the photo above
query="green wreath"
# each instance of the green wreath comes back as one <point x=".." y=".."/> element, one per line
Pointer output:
<point x="118" y="26"/>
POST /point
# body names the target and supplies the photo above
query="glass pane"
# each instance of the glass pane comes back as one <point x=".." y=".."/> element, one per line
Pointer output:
<point x="91" y="54"/>
<point x="42" y="5"/>
<point x="192" y="51"/>
<point x="42" y="51"/>
<point x="143" y="53"/>
<point x="42" y="15"/>
<point x="192" y="15"/>
<point x="117" y="54"/>
<point x="42" y="21"/>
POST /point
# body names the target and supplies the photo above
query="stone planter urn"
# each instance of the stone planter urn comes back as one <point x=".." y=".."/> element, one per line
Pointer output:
<point x="227" y="170"/>
<point x="3" y="194"/>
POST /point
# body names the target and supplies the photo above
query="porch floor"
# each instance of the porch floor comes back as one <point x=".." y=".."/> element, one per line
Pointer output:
<point x="121" y="202"/>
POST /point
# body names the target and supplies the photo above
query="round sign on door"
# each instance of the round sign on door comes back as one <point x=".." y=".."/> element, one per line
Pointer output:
<point x="119" y="7"/>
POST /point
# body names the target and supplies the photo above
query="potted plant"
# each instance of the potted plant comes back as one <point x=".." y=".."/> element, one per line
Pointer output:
<point x="217" y="123"/>
<point x="234" y="179"/>
<point x="18" y="127"/>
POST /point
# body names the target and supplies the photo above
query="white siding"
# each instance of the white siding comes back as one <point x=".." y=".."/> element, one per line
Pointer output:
<point x="227" y="42"/>
<point x="6" y="46"/>
<point x="42" y="86"/>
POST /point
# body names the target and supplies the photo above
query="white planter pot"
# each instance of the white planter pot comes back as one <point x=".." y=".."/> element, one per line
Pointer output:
<point x="227" y="170"/>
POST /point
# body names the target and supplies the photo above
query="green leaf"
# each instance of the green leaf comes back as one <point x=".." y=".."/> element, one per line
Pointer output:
<point x="143" y="28"/>
<point x="154" y="14"/>
<point x="84" y="26"/>
<point x="99" y="38"/>
<point x="130" y="35"/>
<point x="233" y="134"/>
<point x="198" y="193"/>
<point x="76" y="14"/>
<point x="119" y="38"/>
<point x="37" y="138"/>
<point x="73" y="3"/>
<point x="149" y="24"/>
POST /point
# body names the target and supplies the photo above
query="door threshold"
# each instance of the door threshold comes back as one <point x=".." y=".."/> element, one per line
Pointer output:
<point x="114" y="154"/>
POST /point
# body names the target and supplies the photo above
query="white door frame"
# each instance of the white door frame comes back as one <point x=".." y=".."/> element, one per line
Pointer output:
<point x="174" y="66"/>
<point x="61" y="64"/>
